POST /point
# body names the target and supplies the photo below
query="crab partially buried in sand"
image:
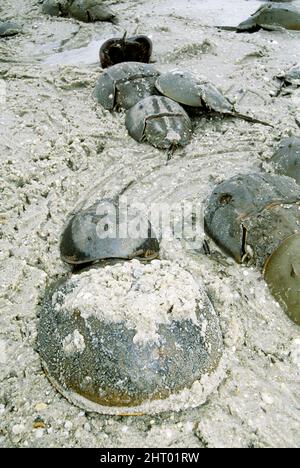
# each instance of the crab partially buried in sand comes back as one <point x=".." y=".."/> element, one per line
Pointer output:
<point x="85" y="239"/>
<point x="130" y="338"/>
<point x="271" y="17"/>
<point x="255" y="218"/>
<point x="82" y="10"/>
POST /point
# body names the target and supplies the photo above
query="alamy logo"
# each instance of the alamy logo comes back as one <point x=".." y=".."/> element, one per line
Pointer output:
<point x="2" y="92"/>
<point x="123" y="220"/>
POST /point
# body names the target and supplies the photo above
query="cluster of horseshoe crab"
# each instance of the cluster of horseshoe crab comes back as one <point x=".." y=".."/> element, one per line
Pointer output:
<point x="272" y="16"/>
<point x="127" y="332"/>
<point x="158" y="106"/>
<point x="130" y="332"/>
<point x="255" y="219"/>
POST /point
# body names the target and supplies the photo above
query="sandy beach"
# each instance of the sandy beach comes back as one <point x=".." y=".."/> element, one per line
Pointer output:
<point x="59" y="148"/>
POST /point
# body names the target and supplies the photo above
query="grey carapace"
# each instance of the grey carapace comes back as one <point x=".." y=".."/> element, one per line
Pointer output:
<point x="160" y="121"/>
<point x="271" y="17"/>
<point x="250" y="215"/>
<point x="125" y="84"/>
<point x="189" y="90"/>
<point x="82" y="10"/>
<point x="106" y="358"/>
<point x="108" y="230"/>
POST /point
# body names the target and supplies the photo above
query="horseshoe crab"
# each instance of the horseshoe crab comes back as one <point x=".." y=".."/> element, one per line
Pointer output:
<point x="124" y="338"/>
<point x="107" y="230"/>
<point x="9" y="28"/>
<point x="287" y="158"/>
<point x="123" y="85"/>
<point x="82" y="10"/>
<point x="187" y="89"/>
<point x="131" y="49"/>
<point x="160" y="121"/>
<point x="249" y="216"/>
<point x="272" y="17"/>
<point x="282" y="274"/>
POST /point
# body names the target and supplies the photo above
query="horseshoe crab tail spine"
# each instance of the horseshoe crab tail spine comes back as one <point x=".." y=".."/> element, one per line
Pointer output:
<point x="248" y="118"/>
<point x="227" y="28"/>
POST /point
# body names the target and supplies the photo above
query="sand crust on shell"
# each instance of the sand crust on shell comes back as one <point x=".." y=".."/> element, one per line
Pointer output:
<point x="144" y="296"/>
<point x="58" y="148"/>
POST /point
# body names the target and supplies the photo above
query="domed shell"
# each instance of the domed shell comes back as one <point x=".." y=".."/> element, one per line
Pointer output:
<point x="249" y="215"/>
<point x="82" y="10"/>
<point x="90" y="11"/>
<point x="123" y="338"/>
<point x="100" y="232"/>
<point x="286" y="159"/>
<point x="125" y="84"/>
<point x="186" y="88"/>
<point x="282" y="274"/>
<point x="272" y="17"/>
<point x="160" y="121"/>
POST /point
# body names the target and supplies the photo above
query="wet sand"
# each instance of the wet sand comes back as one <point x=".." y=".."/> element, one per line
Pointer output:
<point x="58" y="147"/>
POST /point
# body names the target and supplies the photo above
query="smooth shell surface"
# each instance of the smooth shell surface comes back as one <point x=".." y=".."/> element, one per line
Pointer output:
<point x="282" y="274"/>
<point x="82" y="10"/>
<point x="186" y="88"/>
<point x="273" y="17"/>
<point x="160" y="121"/>
<point x="286" y="159"/>
<point x="86" y="238"/>
<point x="8" y="28"/>
<point x="131" y="49"/>
<point x="249" y="215"/>
<point x="115" y="339"/>
<point x="125" y="84"/>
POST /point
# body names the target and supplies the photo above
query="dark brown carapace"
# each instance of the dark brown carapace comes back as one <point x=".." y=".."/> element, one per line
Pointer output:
<point x="131" y="49"/>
